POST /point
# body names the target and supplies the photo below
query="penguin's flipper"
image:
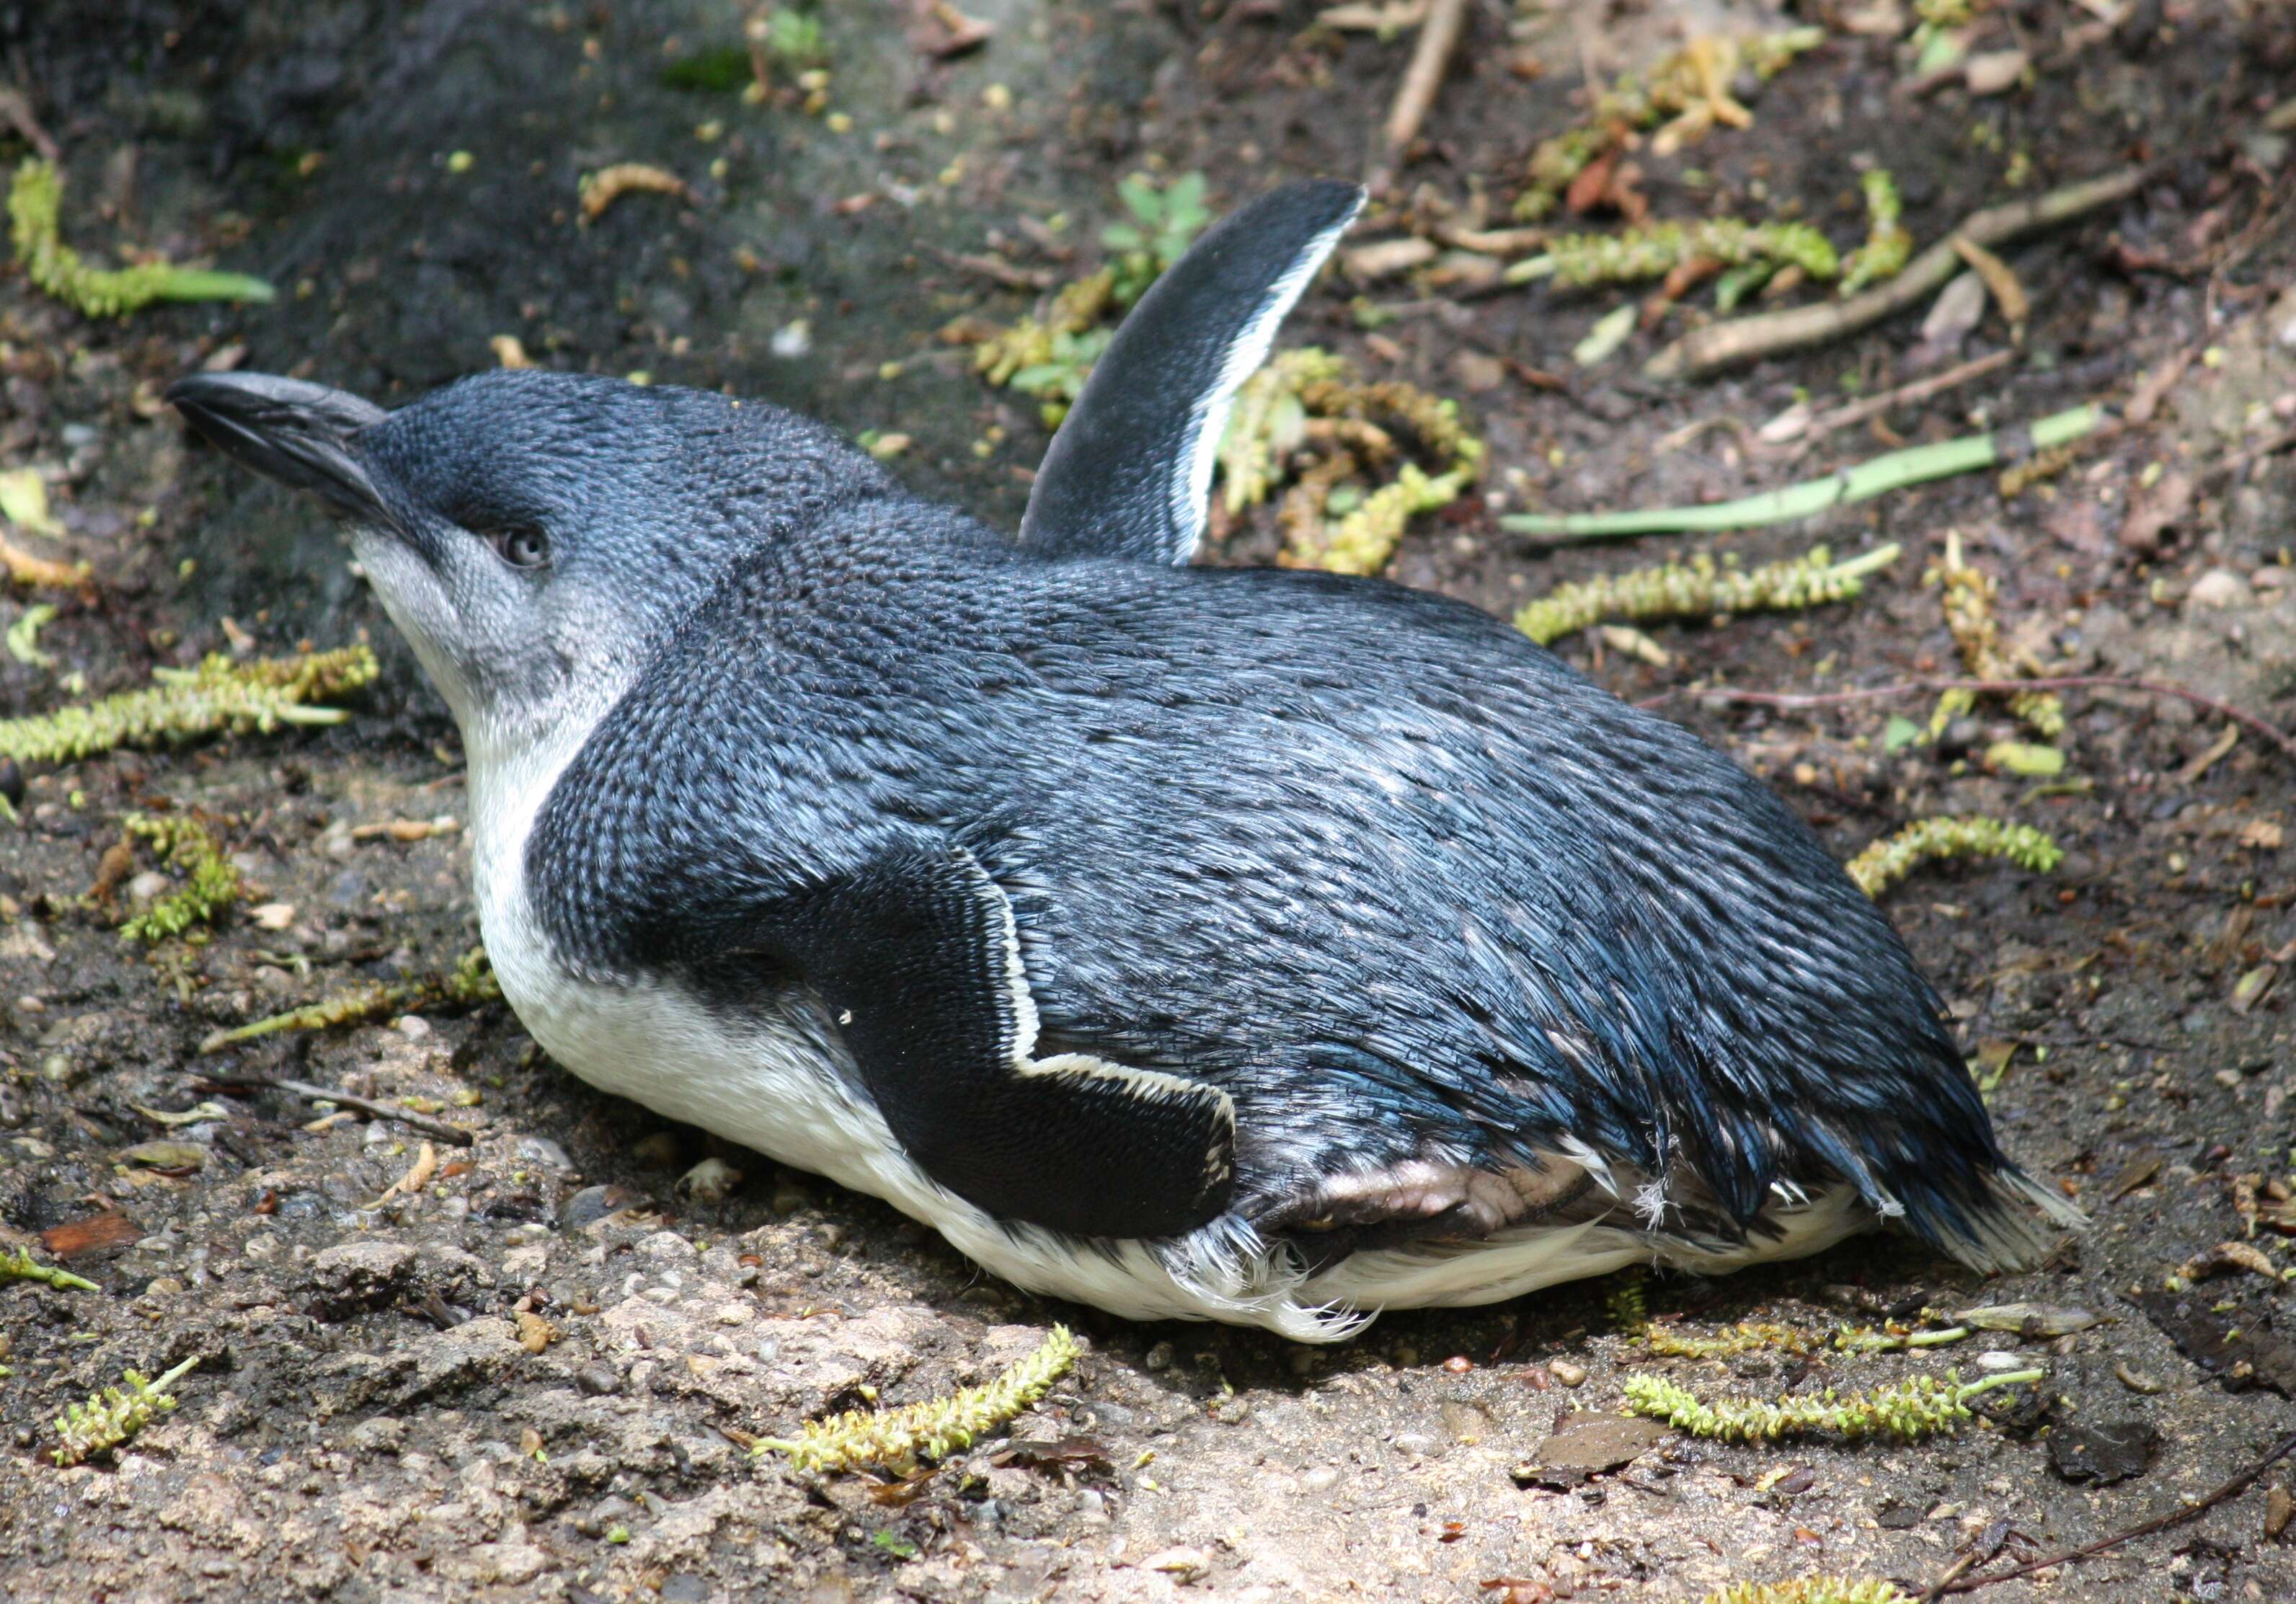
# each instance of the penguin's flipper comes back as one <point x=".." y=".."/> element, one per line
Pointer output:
<point x="1127" y="473"/>
<point x="917" y="959"/>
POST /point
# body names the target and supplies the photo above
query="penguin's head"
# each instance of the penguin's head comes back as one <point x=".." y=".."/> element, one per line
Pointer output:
<point x="532" y="533"/>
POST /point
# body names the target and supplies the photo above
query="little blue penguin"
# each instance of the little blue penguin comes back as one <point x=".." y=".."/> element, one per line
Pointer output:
<point x="1243" y="944"/>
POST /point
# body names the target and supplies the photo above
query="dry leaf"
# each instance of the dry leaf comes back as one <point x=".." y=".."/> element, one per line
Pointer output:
<point x="417" y="1177"/>
<point x="1384" y="259"/>
<point x="2154" y="513"/>
<point x="2001" y="280"/>
<point x="1955" y="315"/>
<point x="1994" y="71"/>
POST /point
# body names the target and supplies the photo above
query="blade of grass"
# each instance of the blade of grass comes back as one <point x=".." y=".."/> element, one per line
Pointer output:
<point x="1895" y="471"/>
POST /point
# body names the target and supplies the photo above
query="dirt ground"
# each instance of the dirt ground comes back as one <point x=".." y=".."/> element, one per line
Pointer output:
<point x="364" y="1422"/>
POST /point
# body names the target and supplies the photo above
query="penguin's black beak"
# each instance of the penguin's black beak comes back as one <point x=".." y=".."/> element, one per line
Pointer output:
<point x="298" y="433"/>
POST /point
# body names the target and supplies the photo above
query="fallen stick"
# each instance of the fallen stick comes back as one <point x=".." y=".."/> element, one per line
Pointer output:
<point x="1722" y="345"/>
<point x="453" y="1135"/>
<point x="1431" y="54"/>
<point x="2069" y="682"/>
<point x="1915" y="465"/>
<point x="1905" y="395"/>
<point x="2177" y="1517"/>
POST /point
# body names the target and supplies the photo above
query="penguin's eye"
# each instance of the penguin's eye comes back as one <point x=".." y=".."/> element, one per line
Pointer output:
<point x="521" y="546"/>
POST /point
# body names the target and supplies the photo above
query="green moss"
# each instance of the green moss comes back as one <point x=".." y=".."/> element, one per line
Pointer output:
<point x="725" y="70"/>
<point x="1811" y="1590"/>
<point x="1579" y="261"/>
<point x="1968" y="596"/>
<point x="1887" y="861"/>
<point x="219" y="694"/>
<point x="36" y="200"/>
<point x="895" y="1439"/>
<point x="1627" y="1302"/>
<point x="1345" y="511"/>
<point x="469" y="983"/>
<point x="210" y="887"/>
<point x="1905" y="1411"/>
<point x="1700" y="588"/>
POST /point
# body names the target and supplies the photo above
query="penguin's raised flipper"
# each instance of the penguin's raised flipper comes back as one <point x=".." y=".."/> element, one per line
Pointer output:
<point x="1127" y="473"/>
<point x="918" y="962"/>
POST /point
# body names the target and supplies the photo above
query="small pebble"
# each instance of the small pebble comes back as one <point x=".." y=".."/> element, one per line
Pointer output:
<point x="2218" y="587"/>
<point x="1566" y="1372"/>
<point x="1159" y="1357"/>
<point x="1322" y="1478"/>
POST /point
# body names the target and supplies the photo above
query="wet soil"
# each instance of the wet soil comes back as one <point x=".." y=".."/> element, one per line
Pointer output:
<point x="364" y="1422"/>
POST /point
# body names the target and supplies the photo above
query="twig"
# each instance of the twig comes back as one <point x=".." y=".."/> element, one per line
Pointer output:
<point x="2232" y="1489"/>
<point x="1431" y="55"/>
<point x="1876" y="476"/>
<point x="453" y="1135"/>
<point x="17" y="108"/>
<point x="2070" y="682"/>
<point x="2238" y="463"/>
<point x="1854" y="413"/>
<point x="1722" y="345"/>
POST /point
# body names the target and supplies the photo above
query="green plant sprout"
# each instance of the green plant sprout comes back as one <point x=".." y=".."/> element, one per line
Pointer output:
<point x="1878" y="476"/>
<point x="36" y="200"/>
<point x="895" y="1439"/>
<point x="793" y="38"/>
<point x="17" y="1264"/>
<point x="1700" y="588"/>
<point x="1904" y="1410"/>
<point x="1689" y="87"/>
<point x="1165" y="223"/>
<point x="111" y="1417"/>
<point x="469" y="983"/>
<point x="181" y="703"/>
<point x="1050" y="357"/>
<point x="1890" y="860"/>
<point x="1889" y="245"/>
<point x="1340" y="515"/>
<point x="1968" y="595"/>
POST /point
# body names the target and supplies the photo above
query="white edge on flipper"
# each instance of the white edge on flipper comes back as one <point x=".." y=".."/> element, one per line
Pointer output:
<point x="1209" y="422"/>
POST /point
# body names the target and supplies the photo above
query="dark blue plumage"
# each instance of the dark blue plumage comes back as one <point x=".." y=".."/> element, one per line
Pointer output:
<point x="1194" y="941"/>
